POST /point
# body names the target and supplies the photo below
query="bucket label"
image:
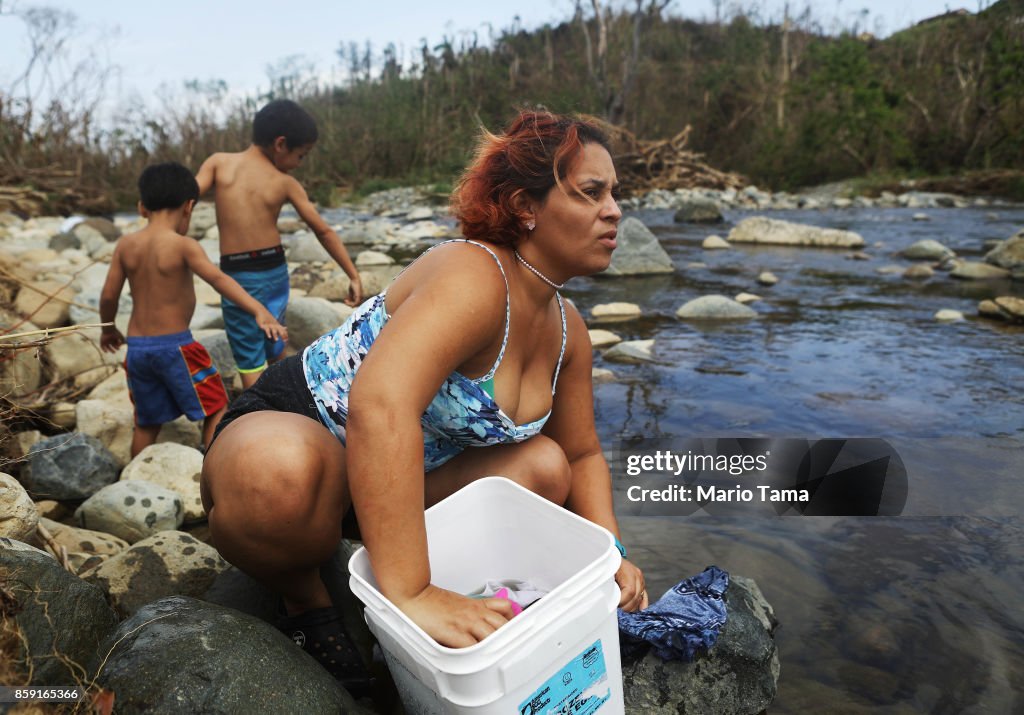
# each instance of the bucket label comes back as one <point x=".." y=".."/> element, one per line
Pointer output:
<point x="580" y="687"/>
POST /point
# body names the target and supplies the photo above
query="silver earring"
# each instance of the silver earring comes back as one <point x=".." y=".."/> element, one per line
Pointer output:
<point x="531" y="224"/>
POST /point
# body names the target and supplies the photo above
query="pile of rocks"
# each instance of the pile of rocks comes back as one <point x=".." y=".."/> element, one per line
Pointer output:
<point x="684" y="201"/>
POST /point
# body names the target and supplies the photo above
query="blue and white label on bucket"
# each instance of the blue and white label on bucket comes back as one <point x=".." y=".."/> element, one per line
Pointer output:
<point x="580" y="687"/>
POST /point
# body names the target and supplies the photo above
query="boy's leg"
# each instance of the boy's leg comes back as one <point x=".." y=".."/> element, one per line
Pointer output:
<point x="210" y="425"/>
<point x="143" y="436"/>
<point x="249" y="346"/>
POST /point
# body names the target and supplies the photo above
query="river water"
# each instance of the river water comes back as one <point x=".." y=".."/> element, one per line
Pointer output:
<point x="920" y="612"/>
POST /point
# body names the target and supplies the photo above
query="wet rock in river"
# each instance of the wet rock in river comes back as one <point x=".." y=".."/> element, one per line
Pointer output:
<point x="1005" y="307"/>
<point x="767" y="278"/>
<point x="759" y="229"/>
<point x="928" y="250"/>
<point x="949" y="316"/>
<point x="603" y="338"/>
<point x="712" y="243"/>
<point x="738" y="676"/>
<point x="638" y="252"/>
<point x="631" y="351"/>
<point x="973" y="271"/>
<point x="1008" y="254"/>
<point x="715" y="307"/>
<point x="699" y="211"/>
<point x="918" y="271"/>
<point x="613" y="312"/>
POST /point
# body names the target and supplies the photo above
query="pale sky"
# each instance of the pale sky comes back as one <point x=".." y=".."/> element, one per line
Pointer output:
<point x="169" y="42"/>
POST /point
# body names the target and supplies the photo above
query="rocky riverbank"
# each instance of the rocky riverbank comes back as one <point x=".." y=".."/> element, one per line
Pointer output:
<point x="129" y="537"/>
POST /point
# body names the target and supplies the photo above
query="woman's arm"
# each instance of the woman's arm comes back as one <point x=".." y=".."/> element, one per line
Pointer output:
<point x="571" y="425"/>
<point x="450" y="315"/>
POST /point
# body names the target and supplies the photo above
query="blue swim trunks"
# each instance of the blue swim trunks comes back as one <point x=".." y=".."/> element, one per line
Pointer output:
<point x="249" y="345"/>
<point x="170" y="376"/>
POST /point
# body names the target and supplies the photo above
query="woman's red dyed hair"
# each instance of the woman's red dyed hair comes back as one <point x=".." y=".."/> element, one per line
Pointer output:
<point x="533" y="154"/>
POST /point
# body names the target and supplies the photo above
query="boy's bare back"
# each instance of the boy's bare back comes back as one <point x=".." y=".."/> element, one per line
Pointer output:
<point x="155" y="264"/>
<point x="249" y="192"/>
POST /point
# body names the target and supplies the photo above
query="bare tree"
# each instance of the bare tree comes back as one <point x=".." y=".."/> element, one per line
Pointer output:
<point x="614" y="97"/>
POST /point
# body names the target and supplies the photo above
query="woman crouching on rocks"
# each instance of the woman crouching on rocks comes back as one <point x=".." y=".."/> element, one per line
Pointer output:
<point x="470" y="347"/>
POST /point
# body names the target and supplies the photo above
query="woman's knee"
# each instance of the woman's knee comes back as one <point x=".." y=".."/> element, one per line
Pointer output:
<point x="546" y="469"/>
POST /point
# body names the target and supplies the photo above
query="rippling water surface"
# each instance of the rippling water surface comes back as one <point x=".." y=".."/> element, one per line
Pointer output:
<point x="884" y="615"/>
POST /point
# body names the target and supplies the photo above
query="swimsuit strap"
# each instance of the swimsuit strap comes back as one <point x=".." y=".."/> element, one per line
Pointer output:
<point x="558" y="368"/>
<point x="508" y="301"/>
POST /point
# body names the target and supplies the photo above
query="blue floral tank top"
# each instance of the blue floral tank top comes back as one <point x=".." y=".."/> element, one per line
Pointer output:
<point x="462" y="414"/>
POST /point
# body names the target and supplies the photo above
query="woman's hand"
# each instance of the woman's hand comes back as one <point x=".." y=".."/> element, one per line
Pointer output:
<point x="634" y="590"/>
<point x="454" y="620"/>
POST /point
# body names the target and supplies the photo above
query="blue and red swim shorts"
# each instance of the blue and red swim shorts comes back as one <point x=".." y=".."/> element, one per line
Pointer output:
<point x="170" y="376"/>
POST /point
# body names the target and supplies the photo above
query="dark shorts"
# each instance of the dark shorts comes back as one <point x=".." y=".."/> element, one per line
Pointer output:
<point x="249" y="345"/>
<point x="170" y="376"/>
<point x="281" y="388"/>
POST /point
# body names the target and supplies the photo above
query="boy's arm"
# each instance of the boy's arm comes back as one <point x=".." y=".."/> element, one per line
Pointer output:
<point x="229" y="288"/>
<point x="207" y="174"/>
<point x="327" y="237"/>
<point x="111" y="338"/>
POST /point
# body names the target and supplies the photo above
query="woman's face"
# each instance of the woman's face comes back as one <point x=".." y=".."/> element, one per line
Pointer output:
<point x="577" y="224"/>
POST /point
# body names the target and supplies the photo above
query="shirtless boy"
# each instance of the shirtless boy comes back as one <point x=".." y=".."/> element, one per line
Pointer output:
<point x="169" y="374"/>
<point x="250" y="187"/>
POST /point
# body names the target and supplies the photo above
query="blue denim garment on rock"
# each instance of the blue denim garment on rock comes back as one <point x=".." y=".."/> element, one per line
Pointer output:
<point x="683" y="621"/>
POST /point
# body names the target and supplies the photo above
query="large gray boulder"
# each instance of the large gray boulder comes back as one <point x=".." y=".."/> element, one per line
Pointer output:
<point x="759" y="229"/>
<point x="62" y="618"/>
<point x="1009" y="254"/>
<point x="173" y="466"/>
<point x="309" y="318"/>
<point x="68" y="466"/>
<point x="638" y="252"/>
<point x="699" y="211"/>
<point x="169" y="563"/>
<point x="183" y="656"/>
<point x="738" y="676"/>
<point x="977" y="271"/>
<point x="304" y="247"/>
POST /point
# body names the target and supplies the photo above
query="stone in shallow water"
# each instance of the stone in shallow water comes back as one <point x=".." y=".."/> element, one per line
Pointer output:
<point x="603" y="338"/>
<point x="973" y="270"/>
<point x="948" y="316"/>
<point x="928" y="250"/>
<point x="638" y="252"/>
<point x="738" y="676"/>
<point x="715" y="242"/>
<point x="758" y="229"/>
<point x="631" y="351"/>
<point x="611" y="312"/>
<point x="767" y="278"/>
<point x="715" y="307"/>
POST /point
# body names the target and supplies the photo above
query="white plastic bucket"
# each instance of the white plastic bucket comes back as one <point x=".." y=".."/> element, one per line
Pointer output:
<point x="560" y="655"/>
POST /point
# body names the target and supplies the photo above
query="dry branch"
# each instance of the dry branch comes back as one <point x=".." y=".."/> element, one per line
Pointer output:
<point x="644" y="164"/>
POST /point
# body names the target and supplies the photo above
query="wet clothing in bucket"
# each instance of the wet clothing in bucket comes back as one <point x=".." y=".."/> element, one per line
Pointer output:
<point x="684" y="621"/>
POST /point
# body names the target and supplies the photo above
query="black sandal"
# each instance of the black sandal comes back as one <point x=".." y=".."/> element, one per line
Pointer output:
<point x="320" y="633"/>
